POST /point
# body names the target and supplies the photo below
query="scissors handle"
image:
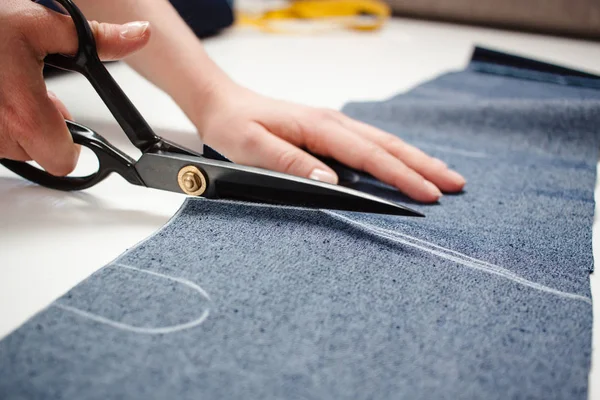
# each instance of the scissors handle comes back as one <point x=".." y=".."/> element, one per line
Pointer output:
<point x="87" y="63"/>
<point x="110" y="159"/>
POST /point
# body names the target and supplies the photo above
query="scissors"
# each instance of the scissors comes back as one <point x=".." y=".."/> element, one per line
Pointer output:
<point x="168" y="166"/>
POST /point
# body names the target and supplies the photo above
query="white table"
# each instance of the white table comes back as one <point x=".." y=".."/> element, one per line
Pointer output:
<point x="50" y="241"/>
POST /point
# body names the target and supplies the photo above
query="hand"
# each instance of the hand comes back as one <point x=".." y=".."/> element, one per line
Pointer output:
<point x="254" y="130"/>
<point x="32" y="125"/>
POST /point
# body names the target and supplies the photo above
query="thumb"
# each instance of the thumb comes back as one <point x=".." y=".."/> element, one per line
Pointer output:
<point x="260" y="148"/>
<point x="53" y="32"/>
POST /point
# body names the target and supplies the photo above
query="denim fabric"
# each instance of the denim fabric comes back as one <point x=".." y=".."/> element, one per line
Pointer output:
<point x="487" y="297"/>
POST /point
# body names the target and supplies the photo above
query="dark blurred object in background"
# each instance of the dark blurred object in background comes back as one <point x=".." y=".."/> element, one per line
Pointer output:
<point x="580" y="18"/>
<point x="205" y="17"/>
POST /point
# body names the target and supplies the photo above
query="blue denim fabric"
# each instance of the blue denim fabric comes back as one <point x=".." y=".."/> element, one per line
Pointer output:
<point x="487" y="297"/>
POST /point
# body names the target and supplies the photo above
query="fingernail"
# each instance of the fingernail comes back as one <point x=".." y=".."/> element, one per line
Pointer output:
<point x="457" y="178"/>
<point x="52" y="94"/>
<point x="431" y="188"/>
<point x="323" y="176"/>
<point x="134" y="30"/>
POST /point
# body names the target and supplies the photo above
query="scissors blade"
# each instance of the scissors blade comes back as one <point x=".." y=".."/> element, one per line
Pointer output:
<point x="225" y="180"/>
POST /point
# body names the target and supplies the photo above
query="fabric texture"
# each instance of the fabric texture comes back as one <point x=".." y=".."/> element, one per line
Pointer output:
<point x="486" y="297"/>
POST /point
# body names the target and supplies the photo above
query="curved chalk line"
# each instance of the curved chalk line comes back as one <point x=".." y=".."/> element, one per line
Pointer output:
<point x="142" y="330"/>
<point x="457" y="257"/>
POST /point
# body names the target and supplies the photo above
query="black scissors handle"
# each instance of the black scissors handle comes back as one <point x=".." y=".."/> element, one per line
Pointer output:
<point x="110" y="159"/>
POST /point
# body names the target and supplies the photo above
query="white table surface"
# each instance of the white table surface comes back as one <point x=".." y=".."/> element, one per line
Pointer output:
<point x="50" y="241"/>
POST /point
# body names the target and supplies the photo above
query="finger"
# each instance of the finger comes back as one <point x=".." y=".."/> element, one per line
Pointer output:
<point x="64" y="111"/>
<point x="52" y="32"/>
<point x="11" y="150"/>
<point x="431" y="168"/>
<point x="259" y="147"/>
<point x="60" y="106"/>
<point x="45" y="138"/>
<point x="362" y="154"/>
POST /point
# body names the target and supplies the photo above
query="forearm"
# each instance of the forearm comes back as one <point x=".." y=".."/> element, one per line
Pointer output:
<point x="174" y="59"/>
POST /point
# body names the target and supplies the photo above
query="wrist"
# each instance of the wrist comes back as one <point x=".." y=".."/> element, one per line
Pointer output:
<point x="202" y="93"/>
<point x="210" y="99"/>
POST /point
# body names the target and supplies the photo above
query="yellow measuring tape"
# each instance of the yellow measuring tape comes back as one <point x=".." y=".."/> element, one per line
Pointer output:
<point x="316" y="15"/>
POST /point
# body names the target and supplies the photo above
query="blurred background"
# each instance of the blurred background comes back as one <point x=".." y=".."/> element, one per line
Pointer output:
<point x="575" y="18"/>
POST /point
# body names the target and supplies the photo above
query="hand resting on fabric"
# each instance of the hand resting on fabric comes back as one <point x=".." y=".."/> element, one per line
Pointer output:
<point x="255" y="130"/>
<point x="245" y="126"/>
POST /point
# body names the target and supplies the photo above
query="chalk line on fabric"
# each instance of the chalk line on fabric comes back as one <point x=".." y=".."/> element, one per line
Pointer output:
<point x="144" y="330"/>
<point x="457" y="257"/>
<point x="180" y="280"/>
<point x="446" y="253"/>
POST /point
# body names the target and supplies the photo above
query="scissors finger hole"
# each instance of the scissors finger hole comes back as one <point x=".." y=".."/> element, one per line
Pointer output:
<point x="87" y="165"/>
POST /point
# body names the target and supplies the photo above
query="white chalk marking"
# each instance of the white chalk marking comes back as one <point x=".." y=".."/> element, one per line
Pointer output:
<point x="144" y="330"/>
<point x="457" y="257"/>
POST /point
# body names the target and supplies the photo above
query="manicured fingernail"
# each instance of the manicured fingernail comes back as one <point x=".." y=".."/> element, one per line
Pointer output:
<point x="457" y="178"/>
<point x="134" y="30"/>
<point x="52" y="94"/>
<point x="439" y="163"/>
<point x="323" y="176"/>
<point x="431" y="188"/>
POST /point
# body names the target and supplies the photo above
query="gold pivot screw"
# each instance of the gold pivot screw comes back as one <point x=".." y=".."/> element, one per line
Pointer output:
<point x="191" y="181"/>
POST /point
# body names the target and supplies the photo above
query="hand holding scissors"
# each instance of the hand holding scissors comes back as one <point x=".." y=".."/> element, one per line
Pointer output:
<point x="167" y="166"/>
